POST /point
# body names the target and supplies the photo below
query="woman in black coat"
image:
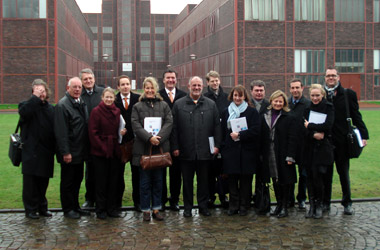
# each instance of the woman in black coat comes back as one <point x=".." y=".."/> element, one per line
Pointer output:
<point x="319" y="152"/>
<point x="279" y="144"/>
<point x="37" y="135"/>
<point x="240" y="149"/>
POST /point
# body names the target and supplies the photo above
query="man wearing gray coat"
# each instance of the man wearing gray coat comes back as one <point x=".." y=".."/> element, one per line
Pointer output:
<point x="195" y="121"/>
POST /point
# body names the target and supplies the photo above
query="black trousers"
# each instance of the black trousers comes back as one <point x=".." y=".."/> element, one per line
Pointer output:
<point x="71" y="179"/>
<point x="240" y="186"/>
<point x="215" y="170"/>
<point x="281" y="191"/>
<point x="175" y="182"/>
<point x="315" y="184"/>
<point x="135" y="184"/>
<point x="34" y="193"/>
<point x="302" y="179"/>
<point x="342" y="163"/>
<point x="189" y="169"/>
<point x="120" y="185"/>
<point x="106" y="176"/>
<point x="90" y="180"/>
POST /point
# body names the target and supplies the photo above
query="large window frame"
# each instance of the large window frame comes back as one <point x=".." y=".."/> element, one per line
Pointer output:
<point x="349" y="10"/>
<point x="376" y="11"/>
<point x="24" y="9"/>
<point x="264" y="10"/>
<point x="309" y="10"/>
<point x="145" y="53"/>
<point x="309" y="65"/>
<point x="349" y="60"/>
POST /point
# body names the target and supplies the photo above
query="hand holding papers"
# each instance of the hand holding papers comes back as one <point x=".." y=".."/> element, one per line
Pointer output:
<point x="152" y="125"/>
<point x="316" y="117"/>
<point x="238" y="124"/>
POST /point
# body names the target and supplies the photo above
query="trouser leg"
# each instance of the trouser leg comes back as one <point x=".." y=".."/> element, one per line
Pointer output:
<point x="135" y="184"/>
<point x="202" y="170"/>
<point x="188" y="171"/>
<point x="175" y="179"/>
<point x="233" y="185"/>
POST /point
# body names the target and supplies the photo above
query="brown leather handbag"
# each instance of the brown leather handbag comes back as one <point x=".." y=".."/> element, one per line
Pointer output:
<point x="156" y="161"/>
<point x="126" y="151"/>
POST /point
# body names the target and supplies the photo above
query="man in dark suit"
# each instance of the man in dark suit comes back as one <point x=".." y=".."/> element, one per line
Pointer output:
<point x="258" y="96"/>
<point x="215" y="92"/>
<point x="170" y="93"/>
<point x="91" y="95"/>
<point x="336" y="95"/>
<point x="260" y="104"/>
<point x="297" y="104"/>
<point x="125" y="100"/>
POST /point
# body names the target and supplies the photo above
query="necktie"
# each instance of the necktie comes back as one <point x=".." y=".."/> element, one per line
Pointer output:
<point x="126" y="103"/>
<point x="171" y="96"/>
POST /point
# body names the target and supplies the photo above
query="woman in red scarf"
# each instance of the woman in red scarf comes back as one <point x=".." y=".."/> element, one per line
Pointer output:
<point x="103" y="128"/>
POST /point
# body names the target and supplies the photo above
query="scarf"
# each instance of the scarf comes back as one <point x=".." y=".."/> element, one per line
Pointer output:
<point x="235" y="111"/>
<point x="331" y="92"/>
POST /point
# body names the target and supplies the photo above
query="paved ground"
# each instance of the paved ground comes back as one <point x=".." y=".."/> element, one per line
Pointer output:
<point x="334" y="231"/>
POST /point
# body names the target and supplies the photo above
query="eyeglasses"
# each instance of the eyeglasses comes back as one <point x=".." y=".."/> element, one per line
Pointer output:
<point x="333" y="76"/>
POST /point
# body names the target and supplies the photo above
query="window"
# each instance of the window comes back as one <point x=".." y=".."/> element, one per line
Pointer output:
<point x="311" y="64"/>
<point x="107" y="30"/>
<point x="145" y="30"/>
<point x="159" y="51"/>
<point x="376" y="80"/>
<point x="107" y="49"/>
<point x="159" y="30"/>
<point x="96" y="50"/>
<point x="376" y="60"/>
<point x="376" y="11"/>
<point x="24" y="8"/>
<point x="349" y="60"/>
<point x="264" y="10"/>
<point x="349" y="10"/>
<point x="145" y="51"/>
<point x="309" y="10"/>
<point x="94" y="30"/>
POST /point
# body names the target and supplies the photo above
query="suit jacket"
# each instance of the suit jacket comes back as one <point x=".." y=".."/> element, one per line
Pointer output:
<point x="178" y="95"/>
<point x="92" y="100"/>
<point x="220" y="100"/>
<point x="134" y="98"/>
<point x="264" y="106"/>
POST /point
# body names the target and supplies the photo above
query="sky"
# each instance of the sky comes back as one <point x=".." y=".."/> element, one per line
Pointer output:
<point x="157" y="6"/>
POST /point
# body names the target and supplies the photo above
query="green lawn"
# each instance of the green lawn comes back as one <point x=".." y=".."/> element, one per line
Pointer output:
<point x="365" y="172"/>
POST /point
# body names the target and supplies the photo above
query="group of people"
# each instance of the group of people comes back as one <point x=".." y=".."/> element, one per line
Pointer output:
<point x="223" y="139"/>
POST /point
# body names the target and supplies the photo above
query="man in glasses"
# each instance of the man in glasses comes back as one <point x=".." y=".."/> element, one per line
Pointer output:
<point x="335" y="94"/>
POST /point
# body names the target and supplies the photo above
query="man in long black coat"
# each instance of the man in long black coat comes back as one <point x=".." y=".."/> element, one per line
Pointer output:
<point x="91" y="95"/>
<point x="125" y="100"/>
<point x="297" y="104"/>
<point x="170" y="93"/>
<point x="335" y="94"/>
<point x="215" y="92"/>
<point x="37" y="134"/>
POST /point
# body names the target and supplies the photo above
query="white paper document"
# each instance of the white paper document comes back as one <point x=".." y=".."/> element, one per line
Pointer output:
<point x="239" y="124"/>
<point x="359" y="136"/>
<point x="152" y="125"/>
<point x="212" y="144"/>
<point x="317" y="118"/>
<point x="121" y="126"/>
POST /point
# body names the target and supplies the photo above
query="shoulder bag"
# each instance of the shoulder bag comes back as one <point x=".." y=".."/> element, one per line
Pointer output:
<point x="15" y="147"/>
<point x="354" y="144"/>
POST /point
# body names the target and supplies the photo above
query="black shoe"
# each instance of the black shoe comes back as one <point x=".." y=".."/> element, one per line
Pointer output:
<point x="137" y="208"/>
<point x="290" y="204"/>
<point x="326" y="208"/>
<point x="72" y="214"/>
<point x="283" y="213"/>
<point x="187" y="213"/>
<point x="101" y="215"/>
<point x="301" y="205"/>
<point x="83" y="212"/>
<point x="32" y="215"/>
<point x="174" y="206"/>
<point x="88" y="204"/>
<point x="114" y="214"/>
<point x="348" y="210"/>
<point x="310" y="213"/>
<point x="276" y="211"/>
<point x="163" y="207"/>
<point x="243" y="212"/>
<point x="45" y="213"/>
<point x="204" y="212"/>
<point x="232" y="212"/>
<point x="318" y="212"/>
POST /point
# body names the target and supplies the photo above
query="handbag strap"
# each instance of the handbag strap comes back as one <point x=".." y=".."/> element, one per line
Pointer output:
<point x="18" y="126"/>
<point x="349" y="120"/>
<point x="150" y="150"/>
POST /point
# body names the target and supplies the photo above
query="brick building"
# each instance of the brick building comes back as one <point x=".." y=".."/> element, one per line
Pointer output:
<point x="47" y="39"/>
<point x="129" y="40"/>
<point x="276" y="40"/>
